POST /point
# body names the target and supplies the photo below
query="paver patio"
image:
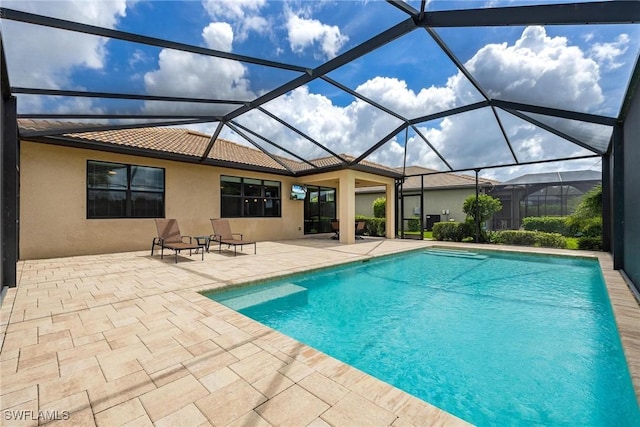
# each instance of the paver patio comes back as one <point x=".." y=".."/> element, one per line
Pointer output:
<point x="126" y="339"/>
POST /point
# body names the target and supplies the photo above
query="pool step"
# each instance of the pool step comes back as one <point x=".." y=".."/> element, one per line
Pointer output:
<point x="455" y="253"/>
<point x="297" y="294"/>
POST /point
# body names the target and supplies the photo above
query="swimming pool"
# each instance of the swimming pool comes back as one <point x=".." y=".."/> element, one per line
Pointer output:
<point x="494" y="338"/>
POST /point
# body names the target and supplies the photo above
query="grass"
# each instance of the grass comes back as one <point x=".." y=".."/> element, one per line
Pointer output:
<point x="428" y="235"/>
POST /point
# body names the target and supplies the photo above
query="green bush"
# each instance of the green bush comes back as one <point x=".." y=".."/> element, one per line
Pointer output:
<point x="413" y="224"/>
<point x="380" y="207"/>
<point x="551" y="240"/>
<point x="373" y="226"/>
<point x="590" y="243"/>
<point x="454" y="231"/>
<point x="515" y="237"/>
<point x="529" y="238"/>
<point x="547" y="224"/>
<point x="592" y="227"/>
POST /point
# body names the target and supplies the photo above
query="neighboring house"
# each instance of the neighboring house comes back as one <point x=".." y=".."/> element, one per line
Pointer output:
<point x="96" y="191"/>
<point x="444" y="195"/>
<point x="541" y="194"/>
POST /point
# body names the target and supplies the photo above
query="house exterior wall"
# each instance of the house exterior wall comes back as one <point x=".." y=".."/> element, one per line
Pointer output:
<point x="53" y="211"/>
<point x="345" y="181"/>
<point x="435" y="201"/>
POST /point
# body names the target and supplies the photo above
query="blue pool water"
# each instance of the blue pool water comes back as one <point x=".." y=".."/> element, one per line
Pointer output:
<point x="494" y="338"/>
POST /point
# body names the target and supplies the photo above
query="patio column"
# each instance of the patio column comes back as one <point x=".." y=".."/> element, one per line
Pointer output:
<point x="347" y="207"/>
<point x="390" y="214"/>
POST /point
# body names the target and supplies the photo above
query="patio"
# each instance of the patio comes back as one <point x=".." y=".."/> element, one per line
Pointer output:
<point x="127" y="339"/>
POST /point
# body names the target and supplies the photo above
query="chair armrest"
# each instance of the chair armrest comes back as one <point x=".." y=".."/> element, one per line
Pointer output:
<point x="190" y="239"/>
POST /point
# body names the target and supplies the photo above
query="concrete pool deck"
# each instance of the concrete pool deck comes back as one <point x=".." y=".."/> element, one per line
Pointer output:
<point x="126" y="339"/>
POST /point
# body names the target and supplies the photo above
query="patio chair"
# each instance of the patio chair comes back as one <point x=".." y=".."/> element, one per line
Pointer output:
<point x="169" y="237"/>
<point x="335" y="227"/>
<point x="360" y="228"/>
<point x="223" y="235"/>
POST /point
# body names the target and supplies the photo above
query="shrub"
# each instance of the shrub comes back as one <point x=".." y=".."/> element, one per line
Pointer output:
<point x="592" y="227"/>
<point x="485" y="207"/>
<point x="373" y="226"/>
<point x="590" y="243"/>
<point x="547" y="224"/>
<point x="380" y="207"/>
<point x="413" y="224"/>
<point x="551" y="240"/>
<point x="454" y="231"/>
<point x="516" y="237"/>
<point x="529" y="238"/>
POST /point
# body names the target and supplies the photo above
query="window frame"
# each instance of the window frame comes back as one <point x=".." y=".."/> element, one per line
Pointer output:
<point x="243" y="198"/>
<point x="128" y="191"/>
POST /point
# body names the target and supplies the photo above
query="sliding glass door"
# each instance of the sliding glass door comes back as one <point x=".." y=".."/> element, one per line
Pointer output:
<point x="319" y="209"/>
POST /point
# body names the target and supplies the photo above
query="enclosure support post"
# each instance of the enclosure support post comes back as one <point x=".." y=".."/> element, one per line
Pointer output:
<point x="477" y="210"/>
<point x="617" y="195"/>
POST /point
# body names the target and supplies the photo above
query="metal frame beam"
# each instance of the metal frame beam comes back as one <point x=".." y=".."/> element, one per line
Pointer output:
<point x="129" y="96"/>
<point x="9" y="189"/>
<point x="268" y="141"/>
<point x="62" y="130"/>
<point x="554" y="131"/>
<point x="299" y="132"/>
<point x="555" y="112"/>
<point x="612" y="12"/>
<point x="259" y="147"/>
<point x="46" y="21"/>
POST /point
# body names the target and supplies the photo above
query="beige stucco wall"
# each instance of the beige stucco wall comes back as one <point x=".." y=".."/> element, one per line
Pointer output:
<point x="53" y="217"/>
<point x="346" y="181"/>
<point x="435" y="201"/>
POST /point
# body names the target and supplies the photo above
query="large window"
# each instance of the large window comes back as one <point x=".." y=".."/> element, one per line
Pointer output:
<point x="116" y="190"/>
<point x="248" y="197"/>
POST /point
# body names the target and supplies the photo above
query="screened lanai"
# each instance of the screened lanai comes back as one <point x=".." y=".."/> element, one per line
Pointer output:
<point x="453" y="86"/>
<point x="541" y="194"/>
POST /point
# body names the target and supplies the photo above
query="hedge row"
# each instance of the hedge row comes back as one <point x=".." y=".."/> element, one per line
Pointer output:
<point x="529" y="238"/>
<point x="454" y="231"/>
<point x="591" y="227"/>
<point x="590" y="243"/>
<point x="547" y="224"/>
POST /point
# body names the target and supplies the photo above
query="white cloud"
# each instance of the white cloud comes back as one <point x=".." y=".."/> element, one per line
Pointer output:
<point x="47" y="56"/>
<point x="395" y="95"/>
<point x="534" y="69"/>
<point x="538" y="69"/>
<point x="218" y="36"/>
<point x="303" y="33"/>
<point x="243" y="15"/>
<point x="608" y="53"/>
<point x="189" y="75"/>
<point x="232" y="9"/>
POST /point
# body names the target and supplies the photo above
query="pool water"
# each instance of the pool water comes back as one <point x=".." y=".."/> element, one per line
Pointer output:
<point x="493" y="338"/>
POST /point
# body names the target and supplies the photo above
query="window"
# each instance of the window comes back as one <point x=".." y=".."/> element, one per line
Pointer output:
<point x="248" y="197"/>
<point x="117" y="190"/>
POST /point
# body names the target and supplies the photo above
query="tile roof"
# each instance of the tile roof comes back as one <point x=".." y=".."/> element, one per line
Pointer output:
<point x="186" y="142"/>
<point x="434" y="179"/>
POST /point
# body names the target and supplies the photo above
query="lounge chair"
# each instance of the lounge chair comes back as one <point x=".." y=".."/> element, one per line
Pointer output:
<point x="223" y="235"/>
<point x="169" y="237"/>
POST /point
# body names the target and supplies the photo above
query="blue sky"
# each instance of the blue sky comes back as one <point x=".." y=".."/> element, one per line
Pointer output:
<point x="585" y="68"/>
